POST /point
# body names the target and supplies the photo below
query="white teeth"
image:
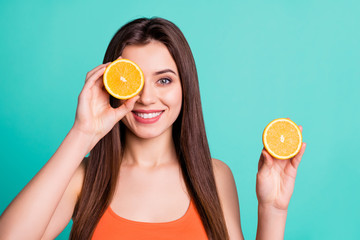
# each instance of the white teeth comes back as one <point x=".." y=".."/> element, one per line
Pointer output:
<point x="148" y="115"/>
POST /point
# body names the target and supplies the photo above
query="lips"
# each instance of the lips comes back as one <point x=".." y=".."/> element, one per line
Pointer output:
<point x="147" y="116"/>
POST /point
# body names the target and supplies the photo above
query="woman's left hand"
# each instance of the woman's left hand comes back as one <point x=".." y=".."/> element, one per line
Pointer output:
<point x="275" y="179"/>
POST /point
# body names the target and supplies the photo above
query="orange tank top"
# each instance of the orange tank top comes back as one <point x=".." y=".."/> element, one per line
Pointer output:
<point x="111" y="226"/>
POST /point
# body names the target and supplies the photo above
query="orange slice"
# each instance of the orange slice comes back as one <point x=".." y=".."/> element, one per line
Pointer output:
<point x="282" y="138"/>
<point x="123" y="79"/>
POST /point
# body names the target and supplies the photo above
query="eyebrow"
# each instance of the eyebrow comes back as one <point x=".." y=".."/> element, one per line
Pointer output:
<point x="164" y="71"/>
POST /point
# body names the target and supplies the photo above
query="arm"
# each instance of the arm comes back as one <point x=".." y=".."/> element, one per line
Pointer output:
<point x="226" y="187"/>
<point x="30" y="212"/>
<point x="271" y="223"/>
<point x="274" y="187"/>
<point x="51" y="195"/>
<point x="64" y="210"/>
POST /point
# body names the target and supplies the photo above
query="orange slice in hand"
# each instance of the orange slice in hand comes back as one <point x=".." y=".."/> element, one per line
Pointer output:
<point x="282" y="138"/>
<point x="123" y="79"/>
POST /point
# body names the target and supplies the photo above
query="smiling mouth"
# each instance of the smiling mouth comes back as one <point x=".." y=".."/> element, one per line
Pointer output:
<point x="148" y="115"/>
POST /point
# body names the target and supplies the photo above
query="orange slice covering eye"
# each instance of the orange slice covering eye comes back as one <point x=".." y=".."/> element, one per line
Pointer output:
<point x="123" y="79"/>
<point x="282" y="138"/>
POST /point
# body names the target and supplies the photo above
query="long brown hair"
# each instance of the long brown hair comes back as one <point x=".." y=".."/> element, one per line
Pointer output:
<point x="102" y="166"/>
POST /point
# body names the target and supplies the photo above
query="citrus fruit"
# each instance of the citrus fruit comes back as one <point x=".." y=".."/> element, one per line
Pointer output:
<point x="282" y="138"/>
<point x="123" y="79"/>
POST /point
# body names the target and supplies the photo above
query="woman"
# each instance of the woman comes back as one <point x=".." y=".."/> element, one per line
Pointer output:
<point x="149" y="174"/>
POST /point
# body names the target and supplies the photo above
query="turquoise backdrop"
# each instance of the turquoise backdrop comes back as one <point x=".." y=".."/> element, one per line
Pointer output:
<point x="256" y="60"/>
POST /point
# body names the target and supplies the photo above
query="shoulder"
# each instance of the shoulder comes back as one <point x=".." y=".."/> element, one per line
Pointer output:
<point x="226" y="187"/>
<point x="224" y="179"/>
<point x="220" y="168"/>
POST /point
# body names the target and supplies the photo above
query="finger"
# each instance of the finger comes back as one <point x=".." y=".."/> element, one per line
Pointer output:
<point x="301" y="128"/>
<point x="268" y="160"/>
<point x="89" y="74"/>
<point x="120" y="57"/>
<point x="92" y="72"/>
<point x="261" y="161"/>
<point x="298" y="125"/>
<point x="295" y="161"/>
<point x="99" y="83"/>
<point x="90" y="81"/>
<point x="126" y="107"/>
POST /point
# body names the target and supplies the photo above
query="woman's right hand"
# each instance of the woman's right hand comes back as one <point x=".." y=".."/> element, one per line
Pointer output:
<point x="94" y="115"/>
<point x="45" y="206"/>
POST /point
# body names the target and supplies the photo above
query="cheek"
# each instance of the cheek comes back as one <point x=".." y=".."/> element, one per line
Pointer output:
<point x="126" y="120"/>
<point x="174" y="99"/>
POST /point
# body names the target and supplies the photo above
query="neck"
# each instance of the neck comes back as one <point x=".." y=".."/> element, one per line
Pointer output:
<point x="149" y="153"/>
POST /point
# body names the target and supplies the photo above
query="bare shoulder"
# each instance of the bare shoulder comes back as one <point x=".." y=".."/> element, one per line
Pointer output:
<point x="227" y="191"/>
<point x="220" y="168"/>
<point x="225" y="181"/>
<point x="224" y="177"/>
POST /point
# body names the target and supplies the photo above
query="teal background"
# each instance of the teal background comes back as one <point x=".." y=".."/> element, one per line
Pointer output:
<point x="257" y="60"/>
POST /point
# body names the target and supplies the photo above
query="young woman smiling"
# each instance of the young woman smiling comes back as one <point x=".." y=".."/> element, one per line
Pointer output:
<point x="149" y="174"/>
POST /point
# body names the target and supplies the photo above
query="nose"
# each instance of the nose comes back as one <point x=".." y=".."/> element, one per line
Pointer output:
<point x="147" y="94"/>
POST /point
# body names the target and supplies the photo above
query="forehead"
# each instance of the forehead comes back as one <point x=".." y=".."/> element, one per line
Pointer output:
<point x="151" y="57"/>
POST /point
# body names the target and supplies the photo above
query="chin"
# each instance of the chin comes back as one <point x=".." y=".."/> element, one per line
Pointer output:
<point x="146" y="134"/>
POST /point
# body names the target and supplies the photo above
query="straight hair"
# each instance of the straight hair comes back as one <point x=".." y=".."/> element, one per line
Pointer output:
<point x="189" y="136"/>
